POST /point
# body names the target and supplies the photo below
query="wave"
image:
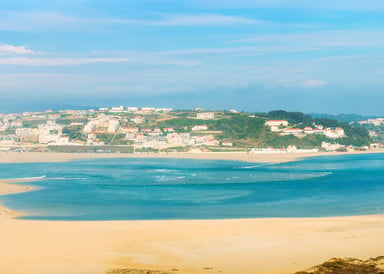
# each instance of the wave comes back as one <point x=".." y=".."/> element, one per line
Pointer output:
<point x="35" y="178"/>
<point x="256" y="166"/>
<point x="163" y="170"/>
<point x="67" y="178"/>
<point x="26" y="178"/>
<point x="273" y="177"/>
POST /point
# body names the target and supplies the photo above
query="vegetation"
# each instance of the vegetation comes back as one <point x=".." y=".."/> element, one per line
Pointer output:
<point x="244" y="130"/>
<point x="348" y="266"/>
<point x="32" y="123"/>
<point x="74" y="133"/>
<point x="248" y="130"/>
<point x="291" y="117"/>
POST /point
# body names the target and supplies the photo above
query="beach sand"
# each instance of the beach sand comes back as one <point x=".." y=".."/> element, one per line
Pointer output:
<point x="9" y="186"/>
<point x="24" y="157"/>
<point x="190" y="246"/>
<point x="203" y="246"/>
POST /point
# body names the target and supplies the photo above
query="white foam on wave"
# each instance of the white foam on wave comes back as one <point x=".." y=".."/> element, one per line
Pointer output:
<point x="256" y="166"/>
<point x="163" y="178"/>
<point x="67" y="178"/>
<point x="163" y="170"/>
<point x="26" y="178"/>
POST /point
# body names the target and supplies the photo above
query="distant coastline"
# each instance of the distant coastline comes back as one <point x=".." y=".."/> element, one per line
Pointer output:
<point x="30" y="157"/>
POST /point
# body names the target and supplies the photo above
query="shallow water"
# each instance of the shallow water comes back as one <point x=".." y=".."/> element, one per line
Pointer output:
<point x="141" y="189"/>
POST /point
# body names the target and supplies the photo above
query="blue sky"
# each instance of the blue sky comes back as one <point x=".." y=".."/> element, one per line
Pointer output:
<point x="310" y="56"/>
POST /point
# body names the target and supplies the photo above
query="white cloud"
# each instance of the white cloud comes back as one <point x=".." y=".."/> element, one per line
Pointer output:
<point x="203" y="20"/>
<point x="10" y="49"/>
<point x="314" y="83"/>
<point x="38" y="21"/>
<point x="43" y="21"/>
<point x="296" y="4"/>
<point x="57" y="61"/>
<point x="321" y="39"/>
<point x="235" y="51"/>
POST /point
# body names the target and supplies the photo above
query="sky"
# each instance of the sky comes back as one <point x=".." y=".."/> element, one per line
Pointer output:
<point x="251" y="55"/>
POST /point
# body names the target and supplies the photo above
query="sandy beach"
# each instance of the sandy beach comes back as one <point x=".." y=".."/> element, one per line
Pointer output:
<point x="209" y="246"/>
<point x="9" y="186"/>
<point x="191" y="246"/>
<point x="25" y="157"/>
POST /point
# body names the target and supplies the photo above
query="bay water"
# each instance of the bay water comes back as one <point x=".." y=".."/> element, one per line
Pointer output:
<point x="153" y="189"/>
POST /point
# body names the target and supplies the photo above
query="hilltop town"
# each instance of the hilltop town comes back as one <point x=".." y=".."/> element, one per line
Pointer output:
<point x="148" y="129"/>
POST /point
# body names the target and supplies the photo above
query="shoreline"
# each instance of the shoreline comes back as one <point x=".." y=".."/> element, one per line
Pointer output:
<point x="34" y="157"/>
<point x="191" y="246"/>
<point x="12" y="186"/>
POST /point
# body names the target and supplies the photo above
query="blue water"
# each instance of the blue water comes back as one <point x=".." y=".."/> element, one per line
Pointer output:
<point x="142" y="189"/>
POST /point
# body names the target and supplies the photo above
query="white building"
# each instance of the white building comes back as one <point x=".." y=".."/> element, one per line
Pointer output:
<point x="129" y="130"/>
<point x="132" y="109"/>
<point x="163" y="110"/>
<point x="90" y="126"/>
<point x="227" y="143"/>
<point x="23" y="131"/>
<point x="309" y="130"/>
<point x="376" y="122"/>
<point x="334" y="133"/>
<point x="113" y="126"/>
<point x="117" y="109"/>
<point x="205" y="115"/>
<point x="278" y="123"/>
<point x="275" y="128"/>
<point x="56" y="139"/>
<point x="168" y="129"/>
<point x="293" y="131"/>
<point x="211" y="142"/>
<point x="8" y="140"/>
<point x="174" y="139"/>
<point x="375" y="146"/>
<point x="76" y="124"/>
<point x="330" y="147"/>
<point x="199" y="128"/>
<point x="138" y="120"/>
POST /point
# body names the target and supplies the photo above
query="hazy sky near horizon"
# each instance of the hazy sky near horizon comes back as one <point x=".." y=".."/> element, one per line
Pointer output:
<point x="253" y="55"/>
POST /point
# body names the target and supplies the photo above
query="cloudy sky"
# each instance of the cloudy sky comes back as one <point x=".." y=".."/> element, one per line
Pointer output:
<point x="253" y="55"/>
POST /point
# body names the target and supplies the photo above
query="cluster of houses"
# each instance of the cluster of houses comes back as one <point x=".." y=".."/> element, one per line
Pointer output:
<point x="46" y="133"/>
<point x="132" y="124"/>
<point x="91" y="123"/>
<point x="282" y="127"/>
<point x="150" y="137"/>
<point x="377" y="122"/>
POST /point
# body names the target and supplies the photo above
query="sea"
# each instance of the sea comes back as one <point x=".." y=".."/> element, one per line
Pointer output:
<point x="166" y="189"/>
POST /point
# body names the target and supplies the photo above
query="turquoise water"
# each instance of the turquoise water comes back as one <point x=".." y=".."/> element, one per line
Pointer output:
<point x="142" y="189"/>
